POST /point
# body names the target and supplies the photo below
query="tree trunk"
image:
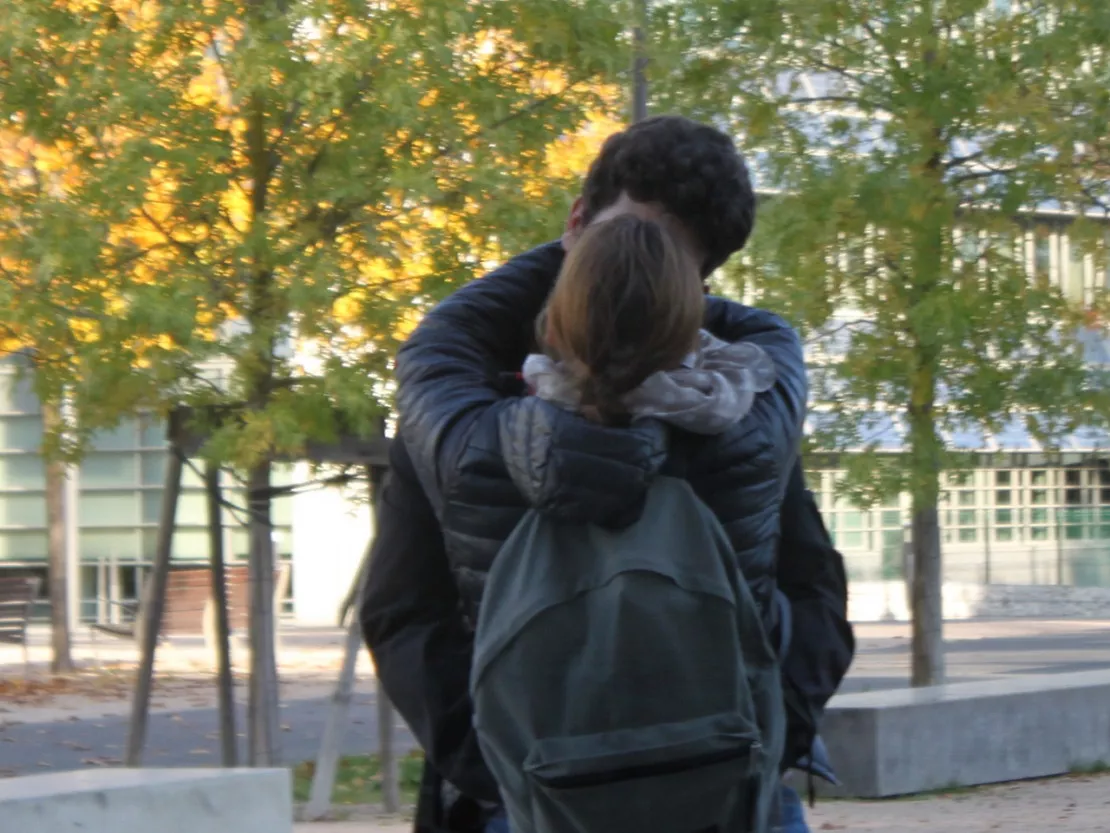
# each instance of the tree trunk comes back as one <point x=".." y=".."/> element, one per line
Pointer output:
<point x="639" y="61"/>
<point x="927" y="586"/>
<point x="262" y="715"/>
<point x="925" y="443"/>
<point x="61" y="661"/>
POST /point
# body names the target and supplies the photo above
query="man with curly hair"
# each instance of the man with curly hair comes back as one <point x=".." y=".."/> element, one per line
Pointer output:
<point x="418" y="608"/>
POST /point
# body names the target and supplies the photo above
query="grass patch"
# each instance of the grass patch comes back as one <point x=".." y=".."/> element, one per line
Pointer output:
<point x="1096" y="768"/>
<point x="359" y="779"/>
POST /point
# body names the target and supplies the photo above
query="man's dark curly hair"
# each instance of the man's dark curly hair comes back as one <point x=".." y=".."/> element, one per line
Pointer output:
<point x="692" y="170"/>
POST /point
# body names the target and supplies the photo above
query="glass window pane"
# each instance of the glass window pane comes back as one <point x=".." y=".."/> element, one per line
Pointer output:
<point x="281" y="511"/>
<point x="1038" y="516"/>
<point x="22" y="471"/>
<point x="22" y="510"/>
<point x="1042" y="253"/>
<point x="108" y="509"/>
<point x="188" y="544"/>
<point x="1004" y="516"/>
<point x="17" y="394"/>
<point x="122" y="438"/>
<point x="851" y="520"/>
<point x="892" y="518"/>
<point x="1002" y="478"/>
<point x="192" y="509"/>
<point x="1040" y="478"/>
<point x="1002" y="497"/>
<point x="99" y="544"/>
<point x="1040" y="496"/>
<point x="850" y="539"/>
<point x="19" y="433"/>
<point x="1073" y="279"/>
<point x="100" y="470"/>
<point x="1005" y="533"/>
<point x="152" y="505"/>
<point x="23" y="546"/>
<point x="1040" y="533"/>
<point x="969" y="535"/>
<point x="153" y="465"/>
<point x="192" y="476"/>
<point x="152" y="433"/>
<point x="967" y="498"/>
<point x="967" y="517"/>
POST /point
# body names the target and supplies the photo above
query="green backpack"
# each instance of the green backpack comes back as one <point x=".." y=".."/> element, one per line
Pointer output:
<point x="622" y="680"/>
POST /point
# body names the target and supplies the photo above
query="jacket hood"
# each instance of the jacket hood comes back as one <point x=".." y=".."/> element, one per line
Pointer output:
<point x="577" y="470"/>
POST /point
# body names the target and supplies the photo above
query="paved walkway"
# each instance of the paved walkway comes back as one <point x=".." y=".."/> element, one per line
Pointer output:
<point x="43" y="730"/>
<point x="1066" y="805"/>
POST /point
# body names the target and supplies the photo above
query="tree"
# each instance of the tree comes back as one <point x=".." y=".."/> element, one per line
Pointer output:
<point x="905" y="148"/>
<point x="254" y="177"/>
<point x="27" y="172"/>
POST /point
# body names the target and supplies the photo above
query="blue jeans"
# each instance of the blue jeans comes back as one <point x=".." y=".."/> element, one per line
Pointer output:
<point x="791" y="812"/>
<point x="498" y="824"/>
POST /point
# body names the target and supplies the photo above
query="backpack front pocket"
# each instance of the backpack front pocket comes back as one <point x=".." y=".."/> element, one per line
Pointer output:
<point x="684" y="777"/>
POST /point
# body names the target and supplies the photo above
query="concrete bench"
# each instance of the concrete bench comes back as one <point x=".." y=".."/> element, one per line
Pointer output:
<point x="142" y="800"/>
<point x="905" y="741"/>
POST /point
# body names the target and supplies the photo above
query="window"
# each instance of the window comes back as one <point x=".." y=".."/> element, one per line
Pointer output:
<point x="99" y="544"/>
<point x="1042" y="254"/>
<point x="1073" y="282"/>
<point x="22" y="510"/>
<point x="152" y="433"/>
<point x="23" y="471"/>
<point x="23" y="546"/>
<point x="20" y="433"/>
<point x="17" y="395"/>
<point x="108" y="509"/>
<point x="153" y="465"/>
<point x="110" y="470"/>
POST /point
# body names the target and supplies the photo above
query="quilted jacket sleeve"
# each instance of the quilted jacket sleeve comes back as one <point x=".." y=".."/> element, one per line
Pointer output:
<point x="781" y="411"/>
<point x="448" y="370"/>
<point x="412" y="623"/>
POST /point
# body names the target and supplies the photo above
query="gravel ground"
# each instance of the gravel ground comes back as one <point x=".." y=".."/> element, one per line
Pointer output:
<point x="1063" y="805"/>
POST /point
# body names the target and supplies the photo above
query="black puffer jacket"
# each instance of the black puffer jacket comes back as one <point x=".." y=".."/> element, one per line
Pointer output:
<point x="484" y="457"/>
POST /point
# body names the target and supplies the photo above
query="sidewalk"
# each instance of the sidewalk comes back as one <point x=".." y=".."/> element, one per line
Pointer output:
<point x="1078" y="804"/>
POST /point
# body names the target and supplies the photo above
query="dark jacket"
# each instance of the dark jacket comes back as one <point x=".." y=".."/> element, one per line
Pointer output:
<point x="413" y="622"/>
<point x="412" y="616"/>
<point x="484" y="458"/>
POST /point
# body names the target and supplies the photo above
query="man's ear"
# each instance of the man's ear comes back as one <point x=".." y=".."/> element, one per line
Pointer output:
<point x="574" y="225"/>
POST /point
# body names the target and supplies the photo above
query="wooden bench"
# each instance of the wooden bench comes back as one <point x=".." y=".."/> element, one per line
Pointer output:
<point x="189" y="609"/>
<point x="17" y="598"/>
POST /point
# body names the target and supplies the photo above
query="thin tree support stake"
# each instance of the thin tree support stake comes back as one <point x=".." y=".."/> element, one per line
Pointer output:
<point x="151" y="611"/>
<point x="387" y="757"/>
<point x="327" y="760"/>
<point x="224" y="681"/>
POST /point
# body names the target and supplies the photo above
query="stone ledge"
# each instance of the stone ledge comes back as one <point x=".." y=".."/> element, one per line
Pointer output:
<point x="905" y="741"/>
<point x="145" y="800"/>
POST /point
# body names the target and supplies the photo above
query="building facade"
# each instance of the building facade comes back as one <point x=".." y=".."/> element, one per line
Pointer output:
<point x="320" y="535"/>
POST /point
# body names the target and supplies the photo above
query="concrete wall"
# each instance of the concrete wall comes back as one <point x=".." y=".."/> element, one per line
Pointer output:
<point x="886" y="601"/>
<point x="331" y="528"/>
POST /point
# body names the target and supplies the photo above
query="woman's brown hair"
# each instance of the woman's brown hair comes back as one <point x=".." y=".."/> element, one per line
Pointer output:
<point x="628" y="303"/>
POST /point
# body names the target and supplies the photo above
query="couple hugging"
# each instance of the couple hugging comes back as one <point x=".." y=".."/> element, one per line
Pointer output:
<point x="602" y="460"/>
